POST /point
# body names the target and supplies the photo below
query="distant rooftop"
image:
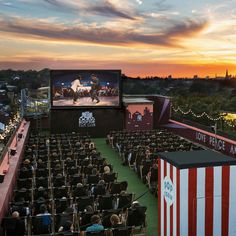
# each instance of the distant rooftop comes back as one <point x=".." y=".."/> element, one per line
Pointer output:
<point x="136" y="100"/>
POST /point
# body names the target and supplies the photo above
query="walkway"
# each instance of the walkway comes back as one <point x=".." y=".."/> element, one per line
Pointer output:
<point x="134" y="184"/>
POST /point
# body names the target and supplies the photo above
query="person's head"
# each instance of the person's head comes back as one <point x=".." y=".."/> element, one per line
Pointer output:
<point x="123" y="193"/>
<point x="101" y="182"/>
<point x="59" y="175"/>
<point x="57" y="166"/>
<point x="89" y="209"/>
<point x="41" y="199"/>
<point x="43" y="208"/>
<point x="79" y="185"/>
<point x="95" y="219"/>
<point x="135" y="204"/>
<point x="79" y="77"/>
<point x="115" y="219"/>
<point x="54" y="154"/>
<point x="15" y="215"/>
<point x="107" y="169"/>
<point x="26" y="162"/>
<point x="41" y="188"/>
<point x="90" y="166"/>
<point x="24" y="169"/>
<point x="69" y="210"/>
<point x="93" y="76"/>
<point x="94" y="171"/>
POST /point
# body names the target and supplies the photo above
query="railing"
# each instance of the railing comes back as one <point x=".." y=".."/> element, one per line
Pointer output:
<point x="5" y="149"/>
<point x="205" y="127"/>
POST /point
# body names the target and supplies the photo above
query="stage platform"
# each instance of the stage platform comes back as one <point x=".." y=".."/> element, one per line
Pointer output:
<point x="87" y="101"/>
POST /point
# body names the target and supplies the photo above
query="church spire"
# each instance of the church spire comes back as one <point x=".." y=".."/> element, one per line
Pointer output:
<point x="227" y="74"/>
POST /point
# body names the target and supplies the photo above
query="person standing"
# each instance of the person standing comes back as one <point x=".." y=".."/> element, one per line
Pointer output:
<point x="75" y="85"/>
<point x="95" y="88"/>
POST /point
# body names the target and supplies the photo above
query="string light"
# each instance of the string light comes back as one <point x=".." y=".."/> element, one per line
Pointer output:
<point x="230" y="124"/>
<point x="178" y="109"/>
<point x="221" y="117"/>
<point x="11" y="126"/>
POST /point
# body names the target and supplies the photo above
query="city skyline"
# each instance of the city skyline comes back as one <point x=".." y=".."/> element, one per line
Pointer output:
<point x="140" y="37"/>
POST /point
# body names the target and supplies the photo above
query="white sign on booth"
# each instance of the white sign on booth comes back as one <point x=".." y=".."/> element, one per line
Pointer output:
<point x="168" y="190"/>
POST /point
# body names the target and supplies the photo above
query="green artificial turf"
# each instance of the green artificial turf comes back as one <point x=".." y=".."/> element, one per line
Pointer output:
<point x="135" y="184"/>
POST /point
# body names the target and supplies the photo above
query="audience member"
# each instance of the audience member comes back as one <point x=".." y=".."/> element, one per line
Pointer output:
<point x="14" y="226"/>
<point x="116" y="222"/>
<point x="66" y="221"/>
<point x="96" y="224"/>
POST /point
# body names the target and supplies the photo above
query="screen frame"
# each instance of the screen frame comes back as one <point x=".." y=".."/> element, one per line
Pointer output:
<point x="86" y="107"/>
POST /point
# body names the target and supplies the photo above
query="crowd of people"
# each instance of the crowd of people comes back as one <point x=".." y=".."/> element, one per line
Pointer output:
<point x="139" y="149"/>
<point x="66" y="92"/>
<point x="65" y="187"/>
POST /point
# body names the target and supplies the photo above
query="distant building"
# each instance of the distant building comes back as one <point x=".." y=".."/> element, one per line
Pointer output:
<point x="4" y="117"/>
<point x="3" y="85"/>
<point x="139" y="121"/>
<point x="227" y="74"/>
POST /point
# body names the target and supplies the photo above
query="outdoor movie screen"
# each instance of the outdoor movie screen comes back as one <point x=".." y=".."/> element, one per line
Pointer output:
<point x="85" y="88"/>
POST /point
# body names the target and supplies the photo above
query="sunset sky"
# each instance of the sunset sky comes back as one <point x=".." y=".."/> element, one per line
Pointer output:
<point x="141" y="37"/>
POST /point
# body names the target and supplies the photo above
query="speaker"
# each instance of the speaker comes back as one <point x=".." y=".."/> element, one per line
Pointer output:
<point x="12" y="152"/>
<point x="2" y="178"/>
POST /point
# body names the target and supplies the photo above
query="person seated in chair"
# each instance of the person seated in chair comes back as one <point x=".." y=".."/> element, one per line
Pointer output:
<point x="66" y="222"/>
<point x="44" y="221"/>
<point x="116" y="222"/>
<point x="96" y="224"/>
<point x="79" y="191"/>
<point x="99" y="189"/>
<point x="136" y="215"/>
<point x="40" y="164"/>
<point x="28" y="165"/>
<point x="15" y="226"/>
<point x="41" y="192"/>
<point x="106" y="169"/>
<point x="67" y="228"/>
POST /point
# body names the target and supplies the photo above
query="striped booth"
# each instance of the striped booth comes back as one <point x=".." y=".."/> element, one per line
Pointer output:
<point x="196" y="194"/>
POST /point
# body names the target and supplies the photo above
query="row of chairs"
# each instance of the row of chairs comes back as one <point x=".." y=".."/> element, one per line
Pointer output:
<point x="138" y="150"/>
<point x="49" y="175"/>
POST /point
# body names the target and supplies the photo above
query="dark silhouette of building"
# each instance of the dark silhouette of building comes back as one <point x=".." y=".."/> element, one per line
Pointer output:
<point x="139" y="121"/>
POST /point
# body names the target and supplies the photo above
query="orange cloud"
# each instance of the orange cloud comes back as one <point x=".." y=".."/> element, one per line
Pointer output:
<point x="103" y="8"/>
<point x="31" y="28"/>
<point x="132" y="69"/>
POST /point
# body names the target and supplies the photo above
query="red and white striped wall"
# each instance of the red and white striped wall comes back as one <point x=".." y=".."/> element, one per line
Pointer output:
<point x="196" y="201"/>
